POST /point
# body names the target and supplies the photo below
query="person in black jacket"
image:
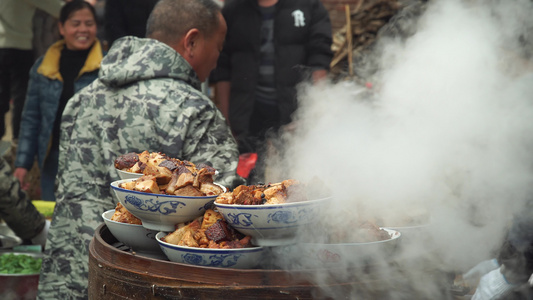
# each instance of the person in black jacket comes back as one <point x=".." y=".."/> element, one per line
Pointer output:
<point x="126" y="17"/>
<point x="271" y="46"/>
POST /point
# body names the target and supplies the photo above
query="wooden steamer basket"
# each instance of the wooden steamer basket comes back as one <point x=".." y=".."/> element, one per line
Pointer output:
<point x="117" y="274"/>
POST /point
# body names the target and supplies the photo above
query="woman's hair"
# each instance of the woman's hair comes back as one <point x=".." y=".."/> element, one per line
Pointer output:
<point x="171" y="19"/>
<point x="73" y="6"/>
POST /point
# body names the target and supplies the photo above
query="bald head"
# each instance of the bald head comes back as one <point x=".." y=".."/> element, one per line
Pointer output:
<point x="170" y="20"/>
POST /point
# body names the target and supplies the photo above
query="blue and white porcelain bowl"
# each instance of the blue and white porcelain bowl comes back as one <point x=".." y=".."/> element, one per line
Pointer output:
<point x="240" y="258"/>
<point x="161" y="212"/>
<point x="320" y="255"/>
<point x="272" y="225"/>
<point x="128" y="175"/>
<point x="139" y="239"/>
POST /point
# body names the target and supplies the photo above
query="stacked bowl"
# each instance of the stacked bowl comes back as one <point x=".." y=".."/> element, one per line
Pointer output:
<point x="272" y="216"/>
<point x="180" y="193"/>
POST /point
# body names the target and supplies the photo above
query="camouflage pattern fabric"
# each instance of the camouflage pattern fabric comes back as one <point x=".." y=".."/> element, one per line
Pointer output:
<point x="16" y="208"/>
<point x="147" y="97"/>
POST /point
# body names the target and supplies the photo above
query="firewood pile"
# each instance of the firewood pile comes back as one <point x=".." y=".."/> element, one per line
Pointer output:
<point x="363" y="21"/>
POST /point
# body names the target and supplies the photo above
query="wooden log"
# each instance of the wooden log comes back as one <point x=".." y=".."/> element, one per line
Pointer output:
<point x="339" y="57"/>
<point x="363" y="21"/>
<point x="349" y="39"/>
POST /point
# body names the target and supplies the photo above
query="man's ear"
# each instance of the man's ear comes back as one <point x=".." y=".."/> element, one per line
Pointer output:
<point x="190" y="41"/>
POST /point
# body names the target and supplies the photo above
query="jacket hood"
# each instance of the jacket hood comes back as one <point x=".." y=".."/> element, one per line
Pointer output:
<point x="133" y="59"/>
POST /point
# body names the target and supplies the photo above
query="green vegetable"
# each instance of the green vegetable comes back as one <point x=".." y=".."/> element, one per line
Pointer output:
<point x="19" y="264"/>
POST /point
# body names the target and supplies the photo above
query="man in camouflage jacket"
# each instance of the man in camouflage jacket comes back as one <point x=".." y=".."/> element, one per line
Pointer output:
<point x="147" y="97"/>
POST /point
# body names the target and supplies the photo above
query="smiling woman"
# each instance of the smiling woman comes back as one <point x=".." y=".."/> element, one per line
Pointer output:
<point x="67" y="66"/>
<point x="79" y="29"/>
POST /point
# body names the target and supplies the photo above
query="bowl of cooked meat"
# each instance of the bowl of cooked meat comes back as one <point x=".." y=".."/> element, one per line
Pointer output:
<point x="271" y="214"/>
<point x="346" y="245"/>
<point x="172" y="192"/>
<point x="132" y="165"/>
<point x="128" y="229"/>
<point x="209" y="241"/>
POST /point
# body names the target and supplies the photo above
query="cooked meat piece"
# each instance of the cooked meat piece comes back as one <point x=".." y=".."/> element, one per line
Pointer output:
<point x="171" y="186"/>
<point x="275" y="194"/>
<point x="290" y="182"/>
<point x="188" y="240"/>
<point x="136" y="168"/>
<point x="162" y="174"/>
<point x="190" y="166"/>
<point x="144" y="157"/>
<point x="214" y="245"/>
<point x="188" y="190"/>
<point x="210" y="218"/>
<point x="126" y="161"/>
<point x="234" y="244"/>
<point x="169" y="164"/>
<point x="122" y="215"/>
<point x="182" y="169"/>
<point x="201" y="239"/>
<point x="148" y="185"/>
<point x="246" y="241"/>
<point x="130" y="185"/>
<point x="246" y="198"/>
<point x="241" y="188"/>
<point x="176" y="236"/>
<point x="203" y="176"/>
<point x="210" y="189"/>
<point x="156" y="158"/>
<point x="183" y="180"/>
<point x="286" y="191"/>
<point x="219" y="232"/>
<point x="225" y="198"/>
<point x="208" y="167"/>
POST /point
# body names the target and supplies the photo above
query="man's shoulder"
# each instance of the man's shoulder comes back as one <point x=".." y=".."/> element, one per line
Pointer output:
<point x="184" y="92"/>
<point x="156" y="92"/>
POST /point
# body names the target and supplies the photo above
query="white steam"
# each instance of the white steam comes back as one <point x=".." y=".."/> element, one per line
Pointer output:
<point x="447" y="129"/>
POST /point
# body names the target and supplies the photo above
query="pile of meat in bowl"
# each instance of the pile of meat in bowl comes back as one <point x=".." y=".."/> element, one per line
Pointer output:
<point x="272" y="213"/>
<point x="128" y="229"/>
<point x="210" y="242"/>
<point x="169" y="192"/>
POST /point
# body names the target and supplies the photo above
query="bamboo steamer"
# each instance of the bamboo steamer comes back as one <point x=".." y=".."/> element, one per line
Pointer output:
<point x="117" y="274"/>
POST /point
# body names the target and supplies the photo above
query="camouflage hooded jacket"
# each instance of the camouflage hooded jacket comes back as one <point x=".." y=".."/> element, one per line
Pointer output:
<point x="146" y="97"/>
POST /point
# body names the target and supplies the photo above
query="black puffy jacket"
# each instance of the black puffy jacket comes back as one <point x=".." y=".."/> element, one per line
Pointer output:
<point x="298" y="51"/>
<point x="126" y="17"/>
